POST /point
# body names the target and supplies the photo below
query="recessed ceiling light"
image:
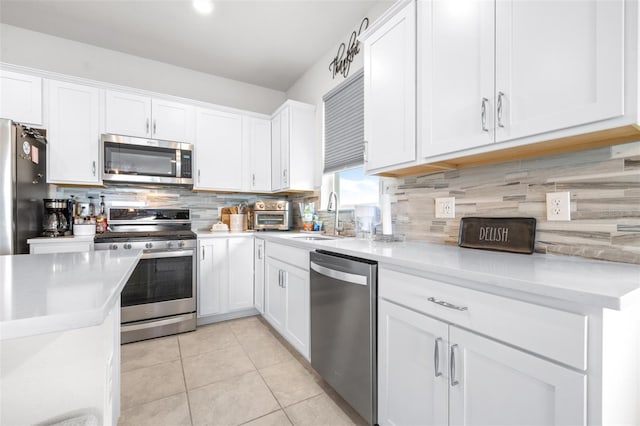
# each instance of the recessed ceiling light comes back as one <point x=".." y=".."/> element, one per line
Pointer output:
<point x="203" y="6"/>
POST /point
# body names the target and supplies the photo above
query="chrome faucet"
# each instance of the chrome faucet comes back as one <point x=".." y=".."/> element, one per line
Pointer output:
<point x="336" y="227"/>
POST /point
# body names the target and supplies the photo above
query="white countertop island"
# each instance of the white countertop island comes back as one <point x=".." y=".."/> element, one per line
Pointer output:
<point x="46" y="293"/>
<point x="60" y="336"/>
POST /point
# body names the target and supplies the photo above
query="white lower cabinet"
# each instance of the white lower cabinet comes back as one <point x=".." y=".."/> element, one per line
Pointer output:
<point x="287" y="295"/>
<point x="259" y="275"/>
<point x="225" y="275"/>
<point x="451" y="355"/>
<point x="494" y="384"/>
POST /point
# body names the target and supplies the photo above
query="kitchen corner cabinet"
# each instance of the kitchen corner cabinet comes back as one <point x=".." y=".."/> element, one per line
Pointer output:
<point x="287" y="303"/>
<point x="389" y="89"/>
<point x="218" y="151"/>
<point x="489" y="359"/>
<point x="257" y="157"/>
<point x="73" y="133"/>
<point x="490" y="73"/>
<point x="225" y="275"/>
<point x="292" y="147"/>
<point x="135" y="115"/>
<point x="259" y="275"/>
<point x="21" y="97"/>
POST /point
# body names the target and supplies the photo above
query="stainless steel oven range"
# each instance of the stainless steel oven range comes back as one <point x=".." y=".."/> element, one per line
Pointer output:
<point x="160" y="297"/>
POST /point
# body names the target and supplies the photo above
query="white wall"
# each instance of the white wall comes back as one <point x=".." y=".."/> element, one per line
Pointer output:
<point x="318" y="80"/>
<point x="42" y="51"/>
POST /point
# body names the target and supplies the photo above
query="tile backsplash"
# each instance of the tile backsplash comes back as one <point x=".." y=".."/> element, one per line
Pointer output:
<point x="203" y="206"/>
<point x="605" y="201"/>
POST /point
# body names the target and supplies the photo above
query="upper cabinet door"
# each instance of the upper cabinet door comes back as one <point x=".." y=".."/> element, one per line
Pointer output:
<point x="127" y="114"/>
<point x="21" y="97"/>
<point x="259" y="154"/>
<point x="558" y="64"/>
<point x="494" y="384"/>
<point x="172" y="121"/>
<point x="456" y="75"/>
<point x="389" y="91"/>
<point x="276" y="152"/>
<point x="218" y="150"/>
<point x="73" y="134"/>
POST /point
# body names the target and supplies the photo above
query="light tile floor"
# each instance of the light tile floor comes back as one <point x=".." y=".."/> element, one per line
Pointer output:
<point x="230" y="373"/>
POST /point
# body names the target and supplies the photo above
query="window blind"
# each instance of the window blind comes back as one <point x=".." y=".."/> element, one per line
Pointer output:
<point x="344" y="124"/>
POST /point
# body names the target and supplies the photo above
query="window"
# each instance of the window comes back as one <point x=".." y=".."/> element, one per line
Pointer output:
<point x="344" y="146"/>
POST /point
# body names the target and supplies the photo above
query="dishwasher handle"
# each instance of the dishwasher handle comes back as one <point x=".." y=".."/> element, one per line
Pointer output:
<point x="339" y="275"/>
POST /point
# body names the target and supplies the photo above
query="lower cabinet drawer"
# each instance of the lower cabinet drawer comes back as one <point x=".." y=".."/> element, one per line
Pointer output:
<point x="292" y="255"/>
<point x="556" y="334"/>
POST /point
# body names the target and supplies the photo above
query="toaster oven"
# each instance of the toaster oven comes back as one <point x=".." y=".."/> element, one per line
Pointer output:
<point x="272" y="215"/>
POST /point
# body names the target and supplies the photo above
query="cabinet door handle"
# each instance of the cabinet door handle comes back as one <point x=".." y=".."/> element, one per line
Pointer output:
<point x="259" y="253"/>
<point x="253" y="180"/>
<point x="202" y="252"/>
<point x="447" y="304"/>
<point x="198" y="175"/>
<point x="452" y="366"/>
<point x="147" y="126"/>
<point x="94" y="168"/>
<point x="500" y="97"/>
<point x="279" y="278"/>
<point x="154" y="127"/>
<point x="284" y="279"/>
<point x="483" y="114"/>
<point x="436" y="357"/>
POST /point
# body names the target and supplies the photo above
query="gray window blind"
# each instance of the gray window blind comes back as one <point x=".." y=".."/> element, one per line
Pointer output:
<point x="344" y="124"/>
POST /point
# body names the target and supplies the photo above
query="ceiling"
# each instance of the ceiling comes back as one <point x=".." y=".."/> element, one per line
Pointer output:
<point x="270" y="43"/>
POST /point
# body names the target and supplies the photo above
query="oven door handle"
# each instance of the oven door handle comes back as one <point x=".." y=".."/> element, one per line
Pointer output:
<point x="167" y="253"/>
<point x="154" y="323"/>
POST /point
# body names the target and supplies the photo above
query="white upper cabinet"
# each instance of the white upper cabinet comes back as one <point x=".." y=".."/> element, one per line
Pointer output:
<point x="73" y="133"/>
<point x="258" y="154"/>
<point x="558" y="64"/>
<point x="141" y="116"/>
<point x="456" y="75"/>
<point x="389" y="90"/>
<point x="21" y="97"/>
<point x="218" y="151"/>
<point x="292" y="147"/>
<point x="497" y="71"/>
<point x="128" y="114"/>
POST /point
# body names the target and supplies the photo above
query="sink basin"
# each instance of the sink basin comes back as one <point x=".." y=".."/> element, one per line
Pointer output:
<point x="313" y="237"/>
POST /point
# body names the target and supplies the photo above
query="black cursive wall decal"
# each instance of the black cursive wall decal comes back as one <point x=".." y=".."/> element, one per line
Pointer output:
<point x="342" y="61"/>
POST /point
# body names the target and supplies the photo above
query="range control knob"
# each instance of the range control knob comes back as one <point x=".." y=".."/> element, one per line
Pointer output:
<point x="113" y="247"/>
<point x="148" y="245"/>
<point x="169" y="244"/>
<point x="127" y="246"/>
<point x="180" y="244"/>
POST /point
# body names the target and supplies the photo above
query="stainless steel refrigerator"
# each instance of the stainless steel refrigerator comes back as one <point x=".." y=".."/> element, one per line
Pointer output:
<point x="23" y="152"/>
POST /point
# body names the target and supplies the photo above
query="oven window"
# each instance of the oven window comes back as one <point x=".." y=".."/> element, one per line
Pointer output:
<point x="139" y="160"/>
<point x="159" y="280"/>
<point x="270" y="219"/>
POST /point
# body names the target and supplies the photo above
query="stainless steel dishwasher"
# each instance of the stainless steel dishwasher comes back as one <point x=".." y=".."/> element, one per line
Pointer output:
<point x="344" y="327"/>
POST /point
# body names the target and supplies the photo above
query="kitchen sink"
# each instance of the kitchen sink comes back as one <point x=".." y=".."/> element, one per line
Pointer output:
<point x="314" y="237"/>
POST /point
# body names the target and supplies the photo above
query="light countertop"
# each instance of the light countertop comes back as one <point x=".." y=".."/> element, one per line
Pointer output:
<point x="43" y="293"/>
<point x="61" y="240"/>
<point x="223" y="234"/>
<point x="588" y="282"/>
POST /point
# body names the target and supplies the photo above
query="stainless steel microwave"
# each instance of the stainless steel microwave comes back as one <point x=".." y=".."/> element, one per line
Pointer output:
<point x="138" y="160"/>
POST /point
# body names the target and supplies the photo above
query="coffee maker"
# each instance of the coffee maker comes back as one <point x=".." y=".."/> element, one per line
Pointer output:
<point x="58" y="217"/>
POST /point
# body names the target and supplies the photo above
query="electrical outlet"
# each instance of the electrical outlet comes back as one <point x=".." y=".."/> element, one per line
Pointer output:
<point x="558" y="206"/>
<point x="446" y="207"/>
